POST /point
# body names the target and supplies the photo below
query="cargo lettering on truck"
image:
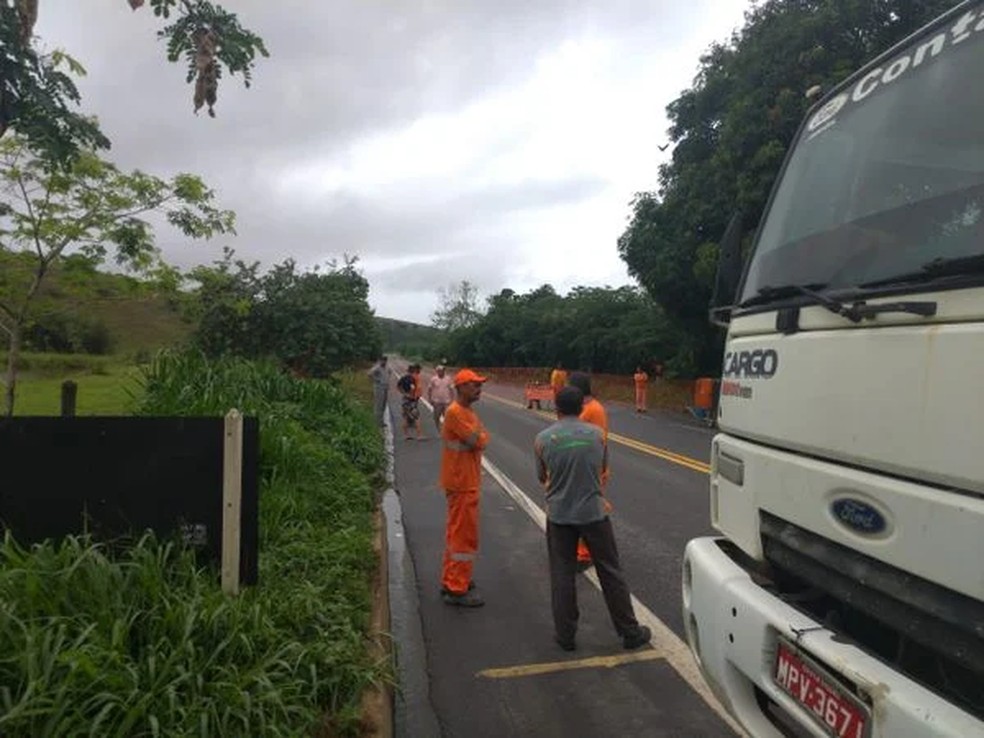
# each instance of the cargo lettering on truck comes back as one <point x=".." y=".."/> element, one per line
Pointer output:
<point x="755" y="364"/>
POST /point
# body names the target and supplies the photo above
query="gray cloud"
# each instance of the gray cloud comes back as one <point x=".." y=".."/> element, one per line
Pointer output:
<point x="341" y="72"/>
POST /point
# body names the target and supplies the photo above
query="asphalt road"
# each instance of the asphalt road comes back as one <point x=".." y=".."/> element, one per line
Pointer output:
<point x="495" y="671"/>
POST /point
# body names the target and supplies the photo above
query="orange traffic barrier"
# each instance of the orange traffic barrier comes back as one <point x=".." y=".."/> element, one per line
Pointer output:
<point x="536" y="393"/>
<point x="704" y="393"/>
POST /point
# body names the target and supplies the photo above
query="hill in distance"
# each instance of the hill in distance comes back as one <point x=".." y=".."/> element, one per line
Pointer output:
<point x="137" y="315"/>
<point x="412" y="340"/>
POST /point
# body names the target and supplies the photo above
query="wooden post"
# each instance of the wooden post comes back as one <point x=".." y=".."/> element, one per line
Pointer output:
<point x="232" y="493"/>
<point x="69" y="393"/>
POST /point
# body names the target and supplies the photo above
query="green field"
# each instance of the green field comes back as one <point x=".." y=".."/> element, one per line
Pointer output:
<point x="109" y="394"/>
<point x="105" y="387"/>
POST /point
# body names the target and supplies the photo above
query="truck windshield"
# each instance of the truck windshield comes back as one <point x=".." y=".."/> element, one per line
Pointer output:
<point x="886" y="176"/>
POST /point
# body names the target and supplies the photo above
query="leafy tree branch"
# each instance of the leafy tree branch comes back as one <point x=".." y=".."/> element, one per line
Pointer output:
<point x="37" y="92"/>
<point x="91" y="207"/>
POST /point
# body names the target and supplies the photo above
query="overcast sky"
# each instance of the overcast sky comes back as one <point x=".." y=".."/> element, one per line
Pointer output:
<point x="498" y="141"/>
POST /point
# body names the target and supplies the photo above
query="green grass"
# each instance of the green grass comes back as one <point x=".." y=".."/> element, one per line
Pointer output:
<point x="105" y="386"/>
<point x="356" y="384"/>
<point x="112" y="393"/>
<point x="145" y="644"/>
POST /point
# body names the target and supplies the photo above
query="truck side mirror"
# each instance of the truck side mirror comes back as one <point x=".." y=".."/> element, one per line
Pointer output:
<point x="728" y="272"/>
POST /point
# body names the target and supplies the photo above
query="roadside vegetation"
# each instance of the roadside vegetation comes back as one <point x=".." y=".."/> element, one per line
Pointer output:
<point x="146" y="644"/>
<point x="597" y="329"/>
<point x="141" y="641"/>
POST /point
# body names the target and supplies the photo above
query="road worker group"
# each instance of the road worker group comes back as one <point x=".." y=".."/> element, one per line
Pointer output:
<point x="571" y="458"/>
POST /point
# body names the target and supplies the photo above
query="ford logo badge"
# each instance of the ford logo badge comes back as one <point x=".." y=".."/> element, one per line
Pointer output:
<point x="858" y="516"/>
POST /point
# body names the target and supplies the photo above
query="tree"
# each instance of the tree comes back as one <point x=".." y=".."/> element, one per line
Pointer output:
<point x="90" y="206"/>
<point x="732" y="130"/>
<point x="36" y="91"/>
<point x="314" y="322"/>
<point x="223" y="303"/>
<point x="457" y="306"/>
<point x="317" y="321"/>
<point x="598" y="329"/>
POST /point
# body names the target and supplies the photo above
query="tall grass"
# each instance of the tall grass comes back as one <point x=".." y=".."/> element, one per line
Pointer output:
<point x="147" y="645"/>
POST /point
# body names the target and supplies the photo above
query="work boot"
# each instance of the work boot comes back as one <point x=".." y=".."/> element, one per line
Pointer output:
<point x="468" y="599"/>
<point x="640" y="637"/>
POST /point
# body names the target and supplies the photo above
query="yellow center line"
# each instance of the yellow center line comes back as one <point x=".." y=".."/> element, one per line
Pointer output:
<point x="595" y="662"/>
<point x="662" y="453"/>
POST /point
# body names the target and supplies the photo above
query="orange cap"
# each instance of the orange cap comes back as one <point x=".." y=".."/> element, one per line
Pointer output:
<point x="467" y="375"/>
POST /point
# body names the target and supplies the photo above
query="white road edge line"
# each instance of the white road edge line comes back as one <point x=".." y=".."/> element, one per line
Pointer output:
<point x="674" y="651"/>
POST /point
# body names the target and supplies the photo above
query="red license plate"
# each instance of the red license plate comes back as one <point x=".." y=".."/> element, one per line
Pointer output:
<point x="838" y="712"/>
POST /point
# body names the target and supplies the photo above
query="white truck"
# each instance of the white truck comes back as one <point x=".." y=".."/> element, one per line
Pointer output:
<point x="845" y="594"/>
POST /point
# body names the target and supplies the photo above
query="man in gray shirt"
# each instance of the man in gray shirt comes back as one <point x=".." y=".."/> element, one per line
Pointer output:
<point x="570" y="458"/>
<point x="379" y="375"/>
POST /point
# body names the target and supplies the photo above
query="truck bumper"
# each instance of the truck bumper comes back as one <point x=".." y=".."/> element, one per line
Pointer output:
<point x="732" y="626"/>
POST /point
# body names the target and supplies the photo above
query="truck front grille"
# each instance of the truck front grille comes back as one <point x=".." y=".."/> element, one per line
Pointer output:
<point x="932" y="634"/>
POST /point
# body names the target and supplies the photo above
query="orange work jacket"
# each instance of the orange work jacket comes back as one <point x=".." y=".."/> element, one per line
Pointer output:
<point x="558" y="378"/>
<point x="461" y="465"/>
<point x="594" y="412"/>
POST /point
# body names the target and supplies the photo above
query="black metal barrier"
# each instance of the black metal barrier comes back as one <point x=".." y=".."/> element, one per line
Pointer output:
<point x="115" y="477"/>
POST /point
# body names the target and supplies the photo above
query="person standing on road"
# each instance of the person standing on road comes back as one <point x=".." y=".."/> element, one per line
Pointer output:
<point x="641" y="380"/>
<point x="571" y="457"/>
<point x="593" y="412"/>
<point x="379" y="376"/>
<point x="558" y="378"/>
<point x="409" y="386"/>
<point x="461" y="476"/>
<point x="440" y="393"/>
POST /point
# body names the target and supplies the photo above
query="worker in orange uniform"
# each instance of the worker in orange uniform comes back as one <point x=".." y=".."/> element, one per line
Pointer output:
<point x="641" y="379"/>
<point x="593" y="412"/>
<point x="461" y="473"/>
<point x="558" y="379"/>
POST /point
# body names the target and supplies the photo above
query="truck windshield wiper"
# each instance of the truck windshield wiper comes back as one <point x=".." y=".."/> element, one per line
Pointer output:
<point x="855" y="312"/>
<point x="955" y="266"/>
<point x="769" y="294"/>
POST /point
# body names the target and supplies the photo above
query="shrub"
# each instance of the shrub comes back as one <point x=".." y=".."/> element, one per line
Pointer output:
<point x="146" y="644"/>
<point x="95" y="338"/>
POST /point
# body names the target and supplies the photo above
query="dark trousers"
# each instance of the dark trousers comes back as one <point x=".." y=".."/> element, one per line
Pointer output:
<point x="562" y="549"/>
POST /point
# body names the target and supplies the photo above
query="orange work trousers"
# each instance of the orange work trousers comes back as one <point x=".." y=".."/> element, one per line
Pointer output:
<point x="461" y="541"/>
<point x="640" y="398"/>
